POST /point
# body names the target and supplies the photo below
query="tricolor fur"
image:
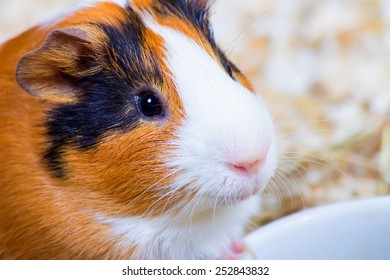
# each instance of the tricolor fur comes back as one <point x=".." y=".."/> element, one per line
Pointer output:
<point x="84" y="175"/>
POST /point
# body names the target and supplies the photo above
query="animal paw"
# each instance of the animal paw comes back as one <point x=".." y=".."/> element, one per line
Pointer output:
<point x="236" y="249"/>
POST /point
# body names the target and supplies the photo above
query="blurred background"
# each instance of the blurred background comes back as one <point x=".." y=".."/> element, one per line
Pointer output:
<point x="323" y="67"/>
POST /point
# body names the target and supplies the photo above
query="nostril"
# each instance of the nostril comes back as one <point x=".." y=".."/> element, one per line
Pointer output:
<point x="246" y="167"/>
<point x="239" y="167"/>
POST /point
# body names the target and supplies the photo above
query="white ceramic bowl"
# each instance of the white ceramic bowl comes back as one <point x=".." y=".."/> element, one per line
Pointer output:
<point x="353" y="230"/>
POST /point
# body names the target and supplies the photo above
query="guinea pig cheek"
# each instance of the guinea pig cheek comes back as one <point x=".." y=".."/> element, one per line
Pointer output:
<point x="225" y="158"/>
<point x="128" y="170"/>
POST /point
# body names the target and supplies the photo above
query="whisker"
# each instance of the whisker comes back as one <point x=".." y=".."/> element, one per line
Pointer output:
<point x="323" y="162"/>
<point x="249" y="29"/>
<point x="145" y="190"/>
<point x="182" y="211"/>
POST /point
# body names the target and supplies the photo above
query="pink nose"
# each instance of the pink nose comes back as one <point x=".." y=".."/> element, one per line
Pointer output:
<point x="246" y="167"/>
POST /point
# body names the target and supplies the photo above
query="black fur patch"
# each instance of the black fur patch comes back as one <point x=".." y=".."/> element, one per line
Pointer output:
<point x="198" y="14"/>
<point x="107" y="101"/>
<point x="193" y="12"/>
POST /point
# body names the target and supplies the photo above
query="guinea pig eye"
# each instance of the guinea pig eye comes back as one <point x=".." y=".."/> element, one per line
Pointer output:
<point x="149" y="104"/>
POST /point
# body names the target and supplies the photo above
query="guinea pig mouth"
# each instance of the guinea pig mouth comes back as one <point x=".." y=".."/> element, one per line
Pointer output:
<point x="235" y="193"/>
<point x="248" y="192"/>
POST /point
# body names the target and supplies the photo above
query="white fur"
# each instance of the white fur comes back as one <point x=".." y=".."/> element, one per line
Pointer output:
<point x="224" y="123"/>
<point x="200" y="238"/>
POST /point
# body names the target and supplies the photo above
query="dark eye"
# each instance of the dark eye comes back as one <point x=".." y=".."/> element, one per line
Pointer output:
<point x="149" y="104"/>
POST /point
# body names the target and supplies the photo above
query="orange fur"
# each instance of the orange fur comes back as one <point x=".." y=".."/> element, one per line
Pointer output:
<point x="42" y="217"/>
<point x="172" y="21"/>
<point x="243" y="80"/>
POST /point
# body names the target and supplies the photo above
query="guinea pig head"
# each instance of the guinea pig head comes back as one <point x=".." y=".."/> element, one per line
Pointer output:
<point x="146" y="115"/>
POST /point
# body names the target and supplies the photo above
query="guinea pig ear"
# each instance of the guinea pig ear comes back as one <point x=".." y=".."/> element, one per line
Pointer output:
<point x="50" y="72"/>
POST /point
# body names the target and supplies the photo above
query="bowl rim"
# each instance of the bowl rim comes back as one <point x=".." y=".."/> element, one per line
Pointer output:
<point x="325" y="211"/>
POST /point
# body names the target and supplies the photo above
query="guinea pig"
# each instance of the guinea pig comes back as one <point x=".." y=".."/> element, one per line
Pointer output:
<point x="126" y="133"/>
